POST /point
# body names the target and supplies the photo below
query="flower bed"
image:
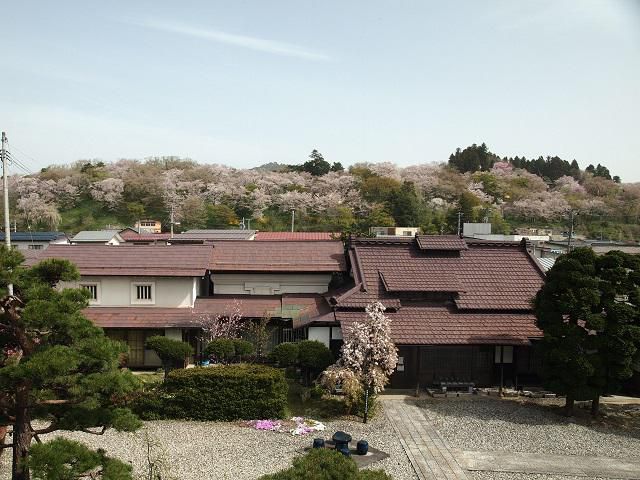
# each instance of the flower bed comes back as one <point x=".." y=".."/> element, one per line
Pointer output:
<point x="295" y="426"/>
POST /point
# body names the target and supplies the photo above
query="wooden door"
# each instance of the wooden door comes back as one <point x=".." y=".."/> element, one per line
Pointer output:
<point x="135" y="341"/>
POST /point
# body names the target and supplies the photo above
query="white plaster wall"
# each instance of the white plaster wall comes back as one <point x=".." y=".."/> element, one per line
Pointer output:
<point x="269" y="284"/>
<point x="320" y="334"/>
<point x="116" y="291"/>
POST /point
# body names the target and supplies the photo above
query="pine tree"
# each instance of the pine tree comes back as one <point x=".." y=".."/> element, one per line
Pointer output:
<point x="589" y="312"/>
<point x="55" y="364"/>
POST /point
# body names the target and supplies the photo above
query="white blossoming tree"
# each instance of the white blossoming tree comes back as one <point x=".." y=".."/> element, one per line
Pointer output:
<point x="367" y="359"/>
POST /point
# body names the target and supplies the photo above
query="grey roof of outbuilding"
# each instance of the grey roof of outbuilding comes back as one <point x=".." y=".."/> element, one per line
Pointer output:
<point x="95" y="235"/>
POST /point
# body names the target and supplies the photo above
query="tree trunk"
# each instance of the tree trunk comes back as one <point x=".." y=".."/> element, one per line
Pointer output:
<point x="595" y="405"/>
<point x="366" y="404"/>
<point x="21" y="435"/>
<point x="568" y="406"/>
<point x="3" y="434"/>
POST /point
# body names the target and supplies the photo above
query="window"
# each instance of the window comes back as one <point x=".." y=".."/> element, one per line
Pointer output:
<point x="94" y="291"/>
<point x="34" y="247"/>
<point x="143" y="293"/>
<point x="503" y="354"/>
<point x="407" y="233"/>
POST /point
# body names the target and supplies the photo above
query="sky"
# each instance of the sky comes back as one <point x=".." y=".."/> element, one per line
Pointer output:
<point x="244" y="83"/>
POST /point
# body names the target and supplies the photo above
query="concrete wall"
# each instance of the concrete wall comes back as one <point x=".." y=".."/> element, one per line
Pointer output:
<point x="269" y="284"/>
<point x="116" y="291"/>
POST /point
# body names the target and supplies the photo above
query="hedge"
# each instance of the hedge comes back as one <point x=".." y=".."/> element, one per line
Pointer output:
<point x="226" y="392"/>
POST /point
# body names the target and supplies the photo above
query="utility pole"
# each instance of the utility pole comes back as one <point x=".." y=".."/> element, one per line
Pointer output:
<point x="459" y="222"/>
<point x="572" y="214"/>
<point x="5" y="187"/>
<point x="171" y="219"/>
<point x="293" y="218"/>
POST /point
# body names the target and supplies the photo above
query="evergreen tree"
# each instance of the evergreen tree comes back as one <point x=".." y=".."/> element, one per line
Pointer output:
<point x="316" y="165"/>
<point x="406" y="206"/>
<point x="54" y="363"/>
<point x="473" y="158"/>
<point x="589" y="312"/>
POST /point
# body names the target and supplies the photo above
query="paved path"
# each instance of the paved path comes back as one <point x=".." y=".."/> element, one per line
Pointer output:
<point x="550" y="464"/>
<point x="433" y="458"/>
<point x="429" y="454"/>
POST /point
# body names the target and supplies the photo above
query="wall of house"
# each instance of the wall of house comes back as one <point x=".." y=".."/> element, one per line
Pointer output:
<point x="324" y="334"/>
<point x="28" y="245"/>
<point x="116" y="291"/>
<point x="269" y="284"/>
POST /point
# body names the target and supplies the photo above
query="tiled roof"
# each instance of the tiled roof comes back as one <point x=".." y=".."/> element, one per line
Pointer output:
<point x="424" y="325"/>
<point x="212" y="235"/>
<point x="295" y="236"/>
<point x="130" y="236"/>
<point x="139" y="317"/>
<point x="318" y="256"/>
<point x="95" y="235"/>
<point x="487" y="276"/>
<point x="162" y="261"/>
<point x="441" y="242"/>
<point x="34" y="236"/>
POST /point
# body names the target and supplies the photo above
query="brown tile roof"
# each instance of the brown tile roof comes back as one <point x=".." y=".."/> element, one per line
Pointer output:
<point x="441" y="242"/>
<point x="424" y="325"/>
<point x="139" y="317"/>
<point x="131" y="236"/>
<point x="295" y="236"/>
<point x="270" y="256"/>
<point x="161" y="261"/>
<point x="487" y="276"/>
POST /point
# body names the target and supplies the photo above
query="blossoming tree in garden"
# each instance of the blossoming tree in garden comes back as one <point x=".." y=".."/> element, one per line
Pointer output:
<point x="368" y="357"/>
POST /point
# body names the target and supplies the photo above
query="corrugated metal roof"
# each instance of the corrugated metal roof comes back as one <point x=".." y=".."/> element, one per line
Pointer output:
<point x="296" y="236"/>
<point x="95" y="235"/>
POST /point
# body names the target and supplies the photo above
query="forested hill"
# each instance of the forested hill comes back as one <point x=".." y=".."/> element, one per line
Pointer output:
<point x="509" y="192"/>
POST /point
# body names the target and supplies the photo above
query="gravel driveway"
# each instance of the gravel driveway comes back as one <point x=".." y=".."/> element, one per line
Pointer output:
<point x="219" y="451"/>
<point x="486" y="424"/>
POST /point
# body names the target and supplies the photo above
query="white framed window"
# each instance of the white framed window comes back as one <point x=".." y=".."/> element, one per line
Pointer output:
<point x="34" y="247"/>
<point x="143" y="293"/>
<point x="94" y="290"/>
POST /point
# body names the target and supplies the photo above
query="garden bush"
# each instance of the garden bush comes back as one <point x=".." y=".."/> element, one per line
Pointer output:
<point x="222" y="349"/>
<point x="226" y="392"/>
<point x="171" y="352"/>
<point x="285" y="354"/>
<point x="243" y="347"/>
<point x="325" y="464"/>
<point x="313" y="357"/>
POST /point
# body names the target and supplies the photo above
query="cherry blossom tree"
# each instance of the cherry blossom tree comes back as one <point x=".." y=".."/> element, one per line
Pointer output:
<point x="108" y="191"/>
<point x="228" y="324"/>
<point x="367" y="359"/>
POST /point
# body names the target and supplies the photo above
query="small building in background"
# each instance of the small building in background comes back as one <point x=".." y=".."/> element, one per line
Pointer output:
<point x="394" y="231"/>
<point x="98" y="237"/>
<point x="471" y="229"/>
<point x="35" y="240"/>
<point x="148" y="226"/>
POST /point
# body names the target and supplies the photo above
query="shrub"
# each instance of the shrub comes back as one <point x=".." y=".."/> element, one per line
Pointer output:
<point x="285" y="354"/>
<point x="226" y="392"/>
<point x="170" y="351"/>
<point x="221" y="348"/>
<point x="313" y="357"/>
<point x="243" y="347"/>
<point x="326" y="464"/>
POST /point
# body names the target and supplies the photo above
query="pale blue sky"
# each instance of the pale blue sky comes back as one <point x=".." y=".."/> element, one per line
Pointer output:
<point x="250" y="82"/>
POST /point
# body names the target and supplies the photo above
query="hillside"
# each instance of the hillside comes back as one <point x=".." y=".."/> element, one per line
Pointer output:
<point x="509" y="192"/>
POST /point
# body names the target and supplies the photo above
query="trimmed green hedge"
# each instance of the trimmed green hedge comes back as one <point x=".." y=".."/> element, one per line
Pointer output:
<point x="226" y="392"/>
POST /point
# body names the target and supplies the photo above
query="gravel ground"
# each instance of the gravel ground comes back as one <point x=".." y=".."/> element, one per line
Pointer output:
<point x="219" y="451"/>
<point x="523" y="476"/>
<point x="485" y="424"/>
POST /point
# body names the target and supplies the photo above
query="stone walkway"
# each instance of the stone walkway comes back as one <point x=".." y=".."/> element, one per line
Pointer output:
<point x="429" y="454"/>
<point x="433" y="458"/>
